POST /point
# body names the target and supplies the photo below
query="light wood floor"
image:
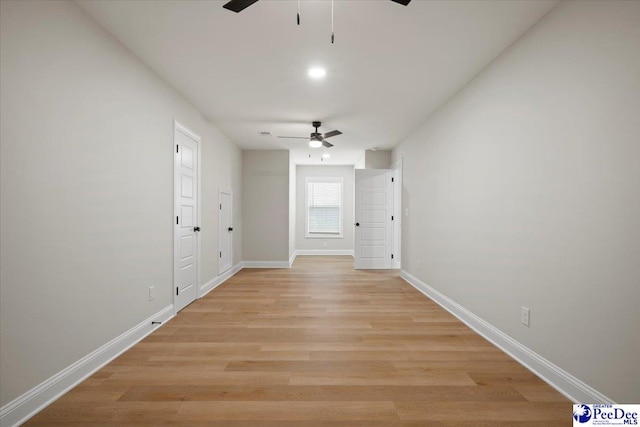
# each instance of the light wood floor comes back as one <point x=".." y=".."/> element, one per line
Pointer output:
<point x="317" y="345"/>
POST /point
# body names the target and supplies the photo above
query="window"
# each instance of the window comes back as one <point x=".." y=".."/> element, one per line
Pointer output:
<point x="324" y="207"/>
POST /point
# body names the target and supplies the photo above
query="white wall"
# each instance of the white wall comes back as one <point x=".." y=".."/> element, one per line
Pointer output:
<point x="87" y="190"/>
<point x="379" y="159"/>
<point x="292" y="205"/>
<point x="265" y="205"/>
<point x="524" y="189"/>
<point x="360" y="163"/>
<point x="221" y="169"/>
<point x="344" y="243"/>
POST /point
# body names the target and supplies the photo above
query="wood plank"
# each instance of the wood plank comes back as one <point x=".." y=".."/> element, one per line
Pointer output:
<point x="288" y="411"/>
<point x="483" y="411"/>
<point x="319" y="344"/>
<point x="320" y="393"/>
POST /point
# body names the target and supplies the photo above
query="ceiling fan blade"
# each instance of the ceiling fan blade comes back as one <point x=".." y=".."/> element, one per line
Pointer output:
<point x="327" y="144"/>
<point x="332" y="133"/>
<point x="402" y="2"/>
<point x="294" y="137"/>
<point x="238" y="5"/>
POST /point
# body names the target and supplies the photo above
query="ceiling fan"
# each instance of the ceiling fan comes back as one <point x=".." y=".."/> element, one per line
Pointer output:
<point x="316" y="139"/>
<point x="239" y="5"/>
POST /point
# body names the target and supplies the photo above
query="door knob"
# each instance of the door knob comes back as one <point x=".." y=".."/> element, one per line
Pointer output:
<point x="357" y="224"/>
<point x="230" y="228"/>
<point x="196" y="229"/>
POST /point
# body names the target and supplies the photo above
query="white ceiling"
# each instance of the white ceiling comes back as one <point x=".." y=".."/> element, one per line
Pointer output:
<point x="389" y="68"/>
<point x="338" y="156"/>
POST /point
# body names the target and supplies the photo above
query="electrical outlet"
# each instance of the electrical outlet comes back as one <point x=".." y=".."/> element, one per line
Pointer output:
<point x="152" y="293"/>
<point x="524" y="316"/>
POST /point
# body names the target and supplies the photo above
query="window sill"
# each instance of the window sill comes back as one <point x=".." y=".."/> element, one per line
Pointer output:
<point x="324" y="236"/>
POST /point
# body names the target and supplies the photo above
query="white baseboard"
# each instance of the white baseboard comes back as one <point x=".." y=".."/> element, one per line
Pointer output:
<point x="26" y="406"/>
<point x="218" y="280"/>
<point x="265" y="264"/>
<point x="324" y="252"/>
<point x="288" y="264"/>
<point x="570" y="386"/>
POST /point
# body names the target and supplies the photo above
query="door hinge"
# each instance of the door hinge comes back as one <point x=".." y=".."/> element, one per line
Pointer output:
<point x="392" y="179"/>
<point x="220" y="206"/>
<point x="391" y="256"/>
<point x="176" y="148"/>
<point x="177" y="290"/>
<point x="220" y="254"/>
<point x="177" y="221"/>
<point x="391" y="217"/>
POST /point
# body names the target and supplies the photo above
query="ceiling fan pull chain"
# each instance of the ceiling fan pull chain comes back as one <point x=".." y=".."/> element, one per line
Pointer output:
<point x="332" y="38"/>
<point x="298" y="12"/>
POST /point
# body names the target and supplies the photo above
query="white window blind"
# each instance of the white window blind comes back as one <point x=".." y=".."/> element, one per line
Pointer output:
<point x="324" y="207"/>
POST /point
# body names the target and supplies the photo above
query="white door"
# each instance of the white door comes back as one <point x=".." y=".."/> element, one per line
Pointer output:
<point x="397" y="213"/>
<point x="186" y="217"/>
<point x="226" y="231"/>
<point x="373" y="216"/>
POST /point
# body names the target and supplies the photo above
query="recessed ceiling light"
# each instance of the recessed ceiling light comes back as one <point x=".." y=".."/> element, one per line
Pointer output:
<point x="326" y="155"/>
<point x="317" y="72"/>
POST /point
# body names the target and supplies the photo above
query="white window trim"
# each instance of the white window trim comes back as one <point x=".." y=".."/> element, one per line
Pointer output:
<point x="307" y="180"/>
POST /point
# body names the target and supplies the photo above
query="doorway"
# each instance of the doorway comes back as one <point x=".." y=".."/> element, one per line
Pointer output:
<point x="186" y="247"/>
<point x="225" y="219"/>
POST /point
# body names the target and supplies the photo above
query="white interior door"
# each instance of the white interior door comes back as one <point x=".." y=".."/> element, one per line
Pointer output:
<point x="226" y="231"/>
<point x="397" y="214"/>
<point x="373" y="215"/>
<point x="186" y="245"/>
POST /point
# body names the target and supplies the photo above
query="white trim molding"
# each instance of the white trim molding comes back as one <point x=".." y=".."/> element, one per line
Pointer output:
<point x="33" y="401"/>
<point x="265" y="264"/>
<point x="222" y="232"/>
<point x="570" y="386"/>
<point x="218" y="280"/>
<point x="324" y="252"/>
<point x="297" y="253"/>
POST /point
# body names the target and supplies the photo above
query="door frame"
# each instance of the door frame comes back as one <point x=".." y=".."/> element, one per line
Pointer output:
<point x="179" y="127"/>
<point x="397" y="212"/>
<point x="222" y="191"/>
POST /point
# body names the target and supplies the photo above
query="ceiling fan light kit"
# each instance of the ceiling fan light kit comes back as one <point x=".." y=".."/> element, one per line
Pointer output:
<point x="316" y="139"/>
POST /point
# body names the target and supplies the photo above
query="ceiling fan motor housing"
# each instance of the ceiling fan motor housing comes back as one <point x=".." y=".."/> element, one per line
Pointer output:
<point x="317" y="136"/>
